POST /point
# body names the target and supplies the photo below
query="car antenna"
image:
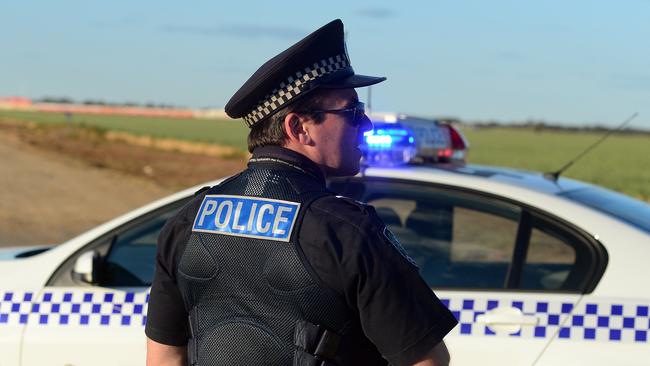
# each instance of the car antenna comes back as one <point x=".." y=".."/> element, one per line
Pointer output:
<point x="555" y="175"/>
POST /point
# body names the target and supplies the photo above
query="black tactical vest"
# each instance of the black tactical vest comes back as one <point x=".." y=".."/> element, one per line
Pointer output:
<point x="246" y="294"/>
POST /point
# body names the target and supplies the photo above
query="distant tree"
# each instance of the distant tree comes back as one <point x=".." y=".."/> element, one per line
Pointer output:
<point x="94" y="102"/>
<point x="61" y="100"/>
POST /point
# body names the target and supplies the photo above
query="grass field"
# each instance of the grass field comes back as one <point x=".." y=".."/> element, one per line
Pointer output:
<point x="621" y="163"/>
<point x="218" y="131"/>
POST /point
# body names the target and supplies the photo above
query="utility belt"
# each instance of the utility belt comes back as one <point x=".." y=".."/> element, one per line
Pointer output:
<point x="315" y="345"/>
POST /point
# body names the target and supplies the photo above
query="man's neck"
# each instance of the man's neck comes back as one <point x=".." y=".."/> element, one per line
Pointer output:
<point x="300" y="149"/>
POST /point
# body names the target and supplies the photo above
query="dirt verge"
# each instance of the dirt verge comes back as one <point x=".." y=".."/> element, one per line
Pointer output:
<point x="56" y="182"/>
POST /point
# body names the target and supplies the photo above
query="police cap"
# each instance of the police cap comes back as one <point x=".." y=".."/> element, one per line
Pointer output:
<point x="318" y="60"/>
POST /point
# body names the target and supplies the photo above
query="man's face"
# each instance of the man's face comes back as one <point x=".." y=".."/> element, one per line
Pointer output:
<point x="336" y="138"/>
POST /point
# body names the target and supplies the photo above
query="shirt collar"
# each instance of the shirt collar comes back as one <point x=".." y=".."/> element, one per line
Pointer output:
<point x="283" y="157"/>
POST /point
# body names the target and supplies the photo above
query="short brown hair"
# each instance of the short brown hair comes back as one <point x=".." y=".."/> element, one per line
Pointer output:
<point x="271" y="131"/>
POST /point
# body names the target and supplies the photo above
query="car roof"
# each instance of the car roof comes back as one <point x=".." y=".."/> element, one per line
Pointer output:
<point x="471" y="173"/>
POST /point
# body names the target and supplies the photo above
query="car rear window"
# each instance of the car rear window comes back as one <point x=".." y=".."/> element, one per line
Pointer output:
<point x="622" y="207"/>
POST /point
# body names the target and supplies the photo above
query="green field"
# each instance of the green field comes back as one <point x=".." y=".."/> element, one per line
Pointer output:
<point x="621" y="163"/>
<point x="218" y="131"/>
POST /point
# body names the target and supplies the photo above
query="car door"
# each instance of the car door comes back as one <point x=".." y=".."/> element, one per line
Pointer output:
<point x="99" y="323"/>
<point x="510" y="275"/>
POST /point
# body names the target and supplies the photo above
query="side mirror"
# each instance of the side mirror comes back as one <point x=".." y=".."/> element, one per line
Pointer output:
<point x="86" y="266"/>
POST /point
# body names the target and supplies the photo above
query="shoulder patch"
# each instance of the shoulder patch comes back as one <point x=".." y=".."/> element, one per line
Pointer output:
<point x="396" y="244"/>
<point x="251" y="217"/>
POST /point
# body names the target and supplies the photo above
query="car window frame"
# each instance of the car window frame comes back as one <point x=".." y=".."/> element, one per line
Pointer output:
<point x="593" y="247"/>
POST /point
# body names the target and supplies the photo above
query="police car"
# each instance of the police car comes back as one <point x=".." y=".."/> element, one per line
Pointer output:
<point x="538" y="270"/>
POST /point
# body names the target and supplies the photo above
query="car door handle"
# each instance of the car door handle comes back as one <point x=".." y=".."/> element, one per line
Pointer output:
<point x="506" y="316"/>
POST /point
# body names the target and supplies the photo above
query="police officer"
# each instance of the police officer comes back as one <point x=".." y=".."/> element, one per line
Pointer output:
<point x="271" y="268"/>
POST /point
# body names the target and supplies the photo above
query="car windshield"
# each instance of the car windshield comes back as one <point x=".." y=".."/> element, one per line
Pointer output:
<point x="628" y="209"/>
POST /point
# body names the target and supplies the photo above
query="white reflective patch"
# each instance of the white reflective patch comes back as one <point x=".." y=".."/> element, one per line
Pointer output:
<point x="252" y="217"/>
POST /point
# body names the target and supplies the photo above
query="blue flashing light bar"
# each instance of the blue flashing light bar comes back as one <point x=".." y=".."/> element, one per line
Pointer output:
<point x="382" y="140"/>
<point x="388" y="144"/>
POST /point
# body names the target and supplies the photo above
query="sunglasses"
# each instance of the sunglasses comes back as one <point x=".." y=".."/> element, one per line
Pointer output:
<point x="355" y="114"/>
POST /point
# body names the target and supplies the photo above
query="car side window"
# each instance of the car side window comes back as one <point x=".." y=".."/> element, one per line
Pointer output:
<point x="126" y="255"/>
<point x="555" y="260"/>
<point x="458" y="240"/>
<point x="131" y="259"/>
<point x="465" y="240"/>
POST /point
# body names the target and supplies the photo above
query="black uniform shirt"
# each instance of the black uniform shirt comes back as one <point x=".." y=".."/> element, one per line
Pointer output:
<point x="349" y="250"/>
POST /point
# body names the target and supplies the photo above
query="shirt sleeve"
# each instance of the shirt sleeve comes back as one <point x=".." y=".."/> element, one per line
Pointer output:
<point x="398" y="311"/>
<point x="167" y="318"/>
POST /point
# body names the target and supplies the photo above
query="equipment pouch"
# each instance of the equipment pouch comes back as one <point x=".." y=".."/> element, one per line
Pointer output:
<point x="315" y="345"/>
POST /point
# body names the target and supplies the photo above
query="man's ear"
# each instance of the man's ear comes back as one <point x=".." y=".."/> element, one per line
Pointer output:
<point x="294" y="126"/>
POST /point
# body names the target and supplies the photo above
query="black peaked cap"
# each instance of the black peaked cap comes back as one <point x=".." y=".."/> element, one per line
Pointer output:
<point x="318" y="60"/>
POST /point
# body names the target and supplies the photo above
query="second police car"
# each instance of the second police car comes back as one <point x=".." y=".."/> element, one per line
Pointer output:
<point x="538" y="271"/>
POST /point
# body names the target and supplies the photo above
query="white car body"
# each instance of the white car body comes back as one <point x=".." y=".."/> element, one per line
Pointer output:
<point x="609" y="324"/>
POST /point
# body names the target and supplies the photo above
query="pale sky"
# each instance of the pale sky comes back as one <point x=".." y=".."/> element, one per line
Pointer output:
<point x="570" y="62"/>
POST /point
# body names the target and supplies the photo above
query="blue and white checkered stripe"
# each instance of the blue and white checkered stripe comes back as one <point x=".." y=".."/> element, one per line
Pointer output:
<point x="74" y="308"/>
<point x="601" y="320"/>
<point x="607" y="321"/>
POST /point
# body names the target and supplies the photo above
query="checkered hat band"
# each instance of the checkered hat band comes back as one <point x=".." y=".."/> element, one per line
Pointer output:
<point x="294" y="85"/>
